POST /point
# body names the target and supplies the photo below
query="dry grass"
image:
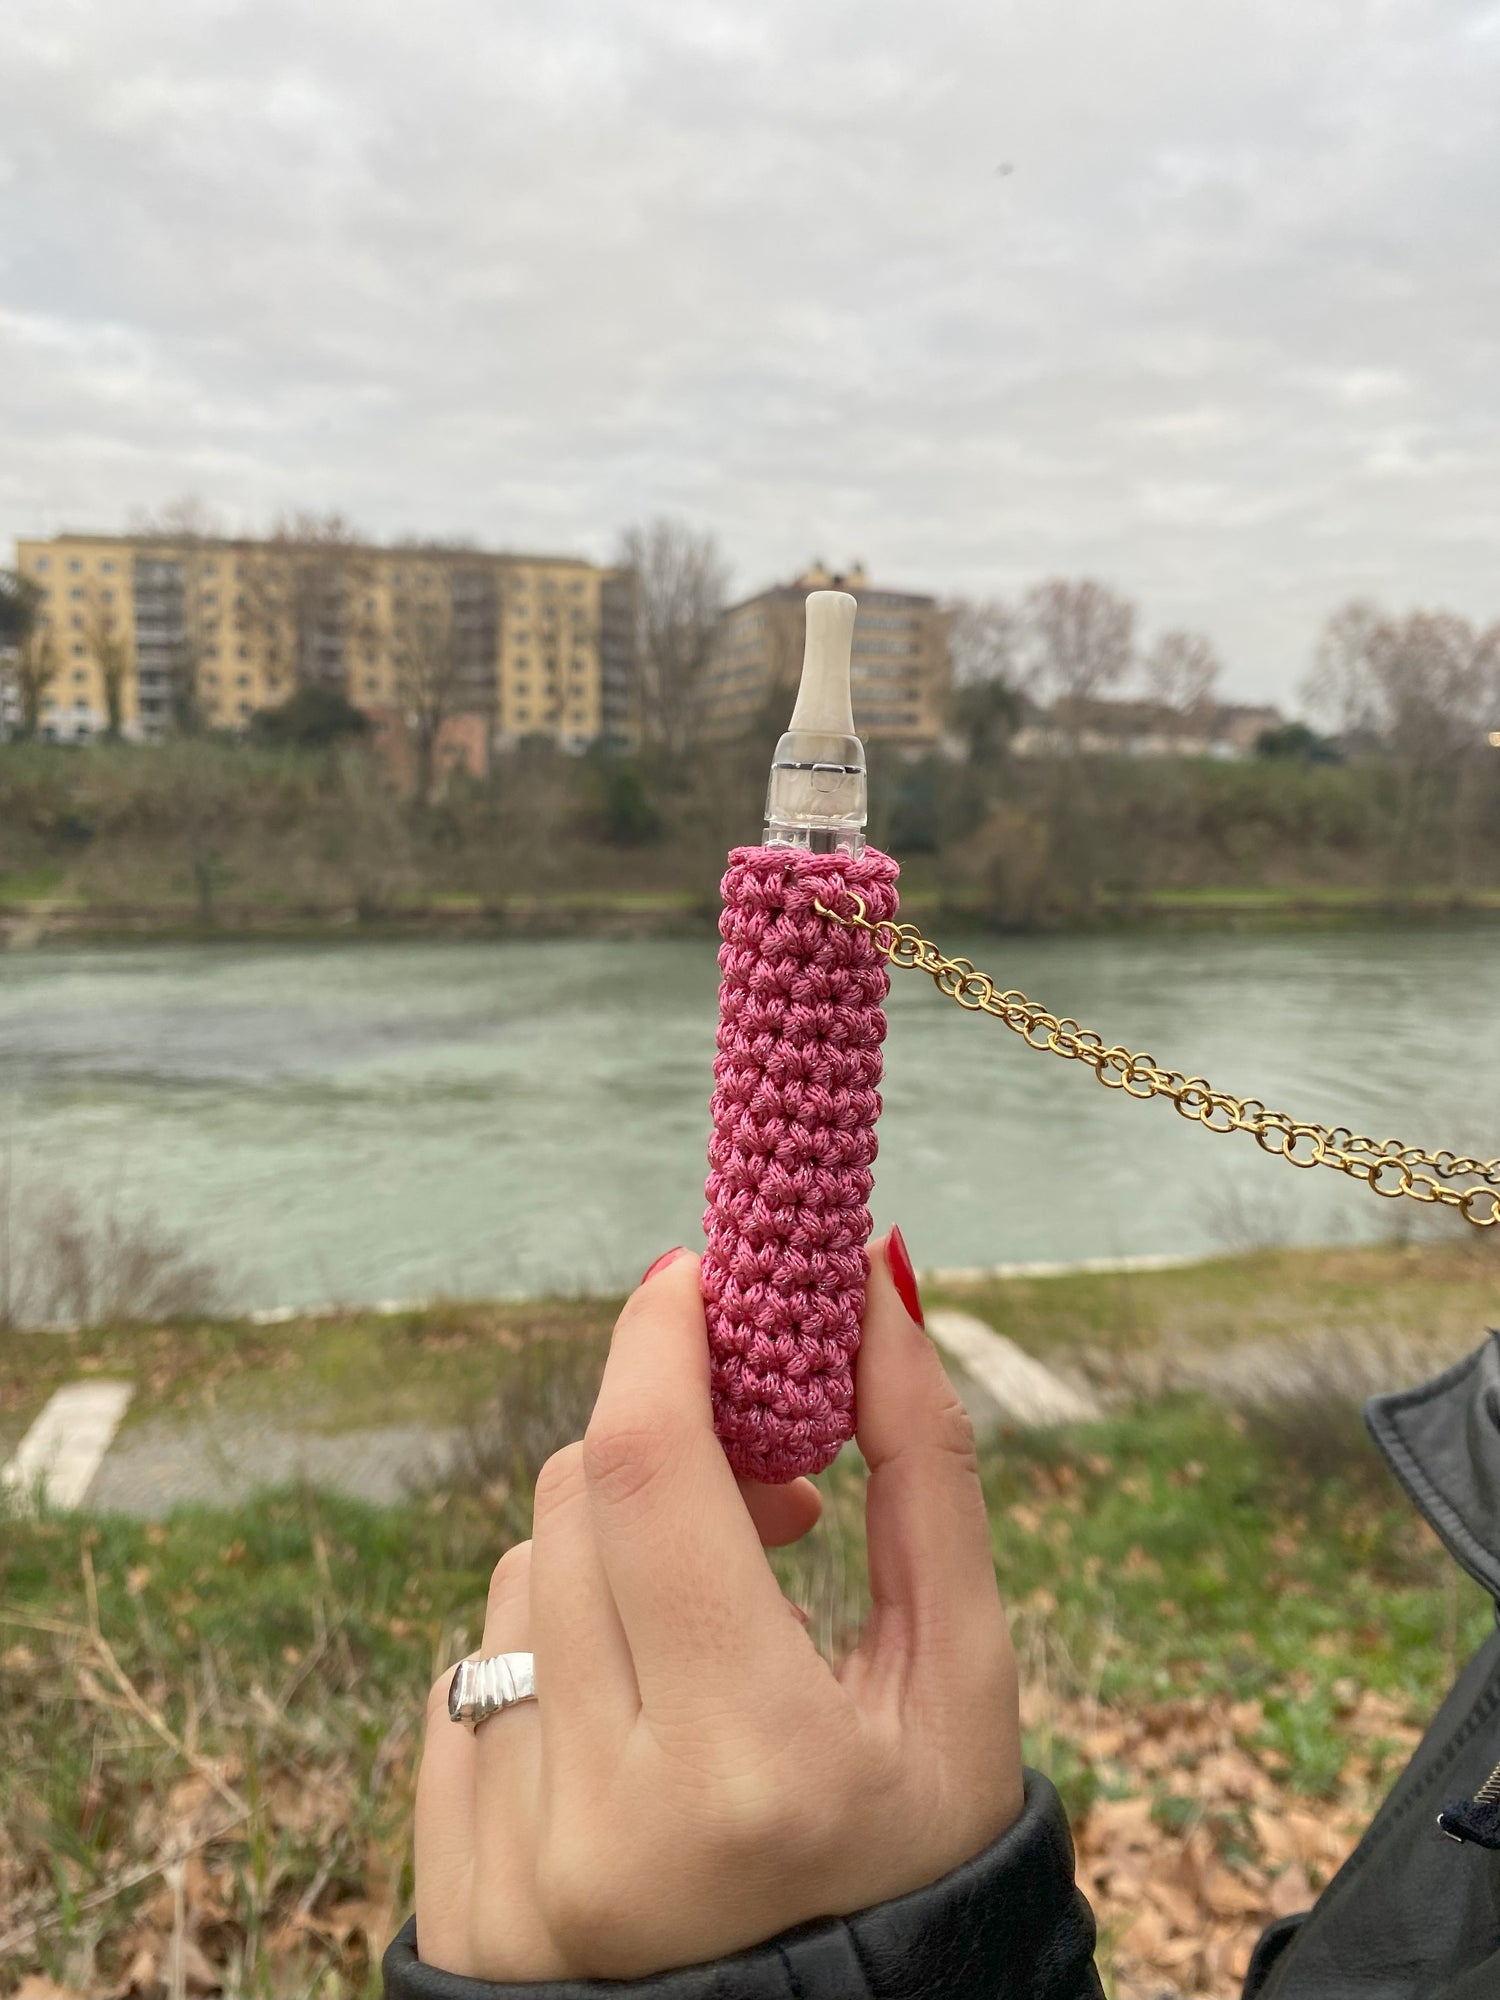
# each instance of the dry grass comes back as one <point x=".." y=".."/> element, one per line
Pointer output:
<point x="64" y="1264"/>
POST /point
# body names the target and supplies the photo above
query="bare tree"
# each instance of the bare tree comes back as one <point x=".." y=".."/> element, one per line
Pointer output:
<point x="1426" y="688"/>
<point x="187" y="519"/>
<point x="1427" y="685"/>
<point x="1079" y="640"/>
<point x="20" y="606"/>
<point x="984" y="641"/>
<point x="1342" y="684"/>
<point x="681" y="582"/>
<point x="27" y="650"/>
<point x="304" y="598"/>
<point x="105" y="638"/>
<point x="428" y="660"/>
<point x="1182" y="672"/>
<point x="34" y="672"/>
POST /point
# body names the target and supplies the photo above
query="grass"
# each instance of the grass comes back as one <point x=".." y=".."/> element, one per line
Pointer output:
<point x="251" y="1681"/>
<point x="433" y="1363"/>
<point x="30" y="885"/>
<point x="347" y="1369"/>
<point x="1225" y="1656"/>
<point x="1442" y="1293"/>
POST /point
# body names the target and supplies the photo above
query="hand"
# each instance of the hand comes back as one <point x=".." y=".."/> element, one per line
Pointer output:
<point x="694" y="1778"/>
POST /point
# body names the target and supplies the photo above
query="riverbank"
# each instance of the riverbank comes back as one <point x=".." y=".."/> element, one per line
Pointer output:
<point x="1230" y="1627"/>
<point x="1126" y="1330"/>
<point x="682" y="914"/>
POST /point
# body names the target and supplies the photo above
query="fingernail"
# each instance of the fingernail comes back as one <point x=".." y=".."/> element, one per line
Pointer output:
<point x="904" y="1278"/>
<point x="666" y="1257"/>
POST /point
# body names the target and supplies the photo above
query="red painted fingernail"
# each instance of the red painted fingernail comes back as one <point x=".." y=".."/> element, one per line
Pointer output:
<point x="903" y="1277"/>
<point x="666" y="1257"/>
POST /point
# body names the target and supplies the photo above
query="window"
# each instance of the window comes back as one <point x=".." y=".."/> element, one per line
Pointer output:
<point x="76" y="621"/>
<point x="75" y="593"/>
<point x="372" y="686"/>
<point x="79" y="674"/>
<point x="79" y="648"/>
<point x="107" y="568"/>
<point x="244" y="652"/>
<point x="44" y="562"/>
<point x="242" y="680"/>
<point x="74" y="565"/>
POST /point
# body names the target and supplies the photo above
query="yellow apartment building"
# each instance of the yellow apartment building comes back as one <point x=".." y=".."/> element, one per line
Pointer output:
<point x="899" y="671"/>
<point x="157" y="626"/>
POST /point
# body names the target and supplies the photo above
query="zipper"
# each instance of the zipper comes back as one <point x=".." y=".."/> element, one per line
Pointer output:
<point x="1475" y="1820"/>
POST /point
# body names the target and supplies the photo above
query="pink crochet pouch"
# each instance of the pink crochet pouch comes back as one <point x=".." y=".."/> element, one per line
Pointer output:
<point x="794" y="1109"/>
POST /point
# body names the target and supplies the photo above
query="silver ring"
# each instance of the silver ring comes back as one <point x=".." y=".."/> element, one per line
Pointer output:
<point x="482" y="1688"/>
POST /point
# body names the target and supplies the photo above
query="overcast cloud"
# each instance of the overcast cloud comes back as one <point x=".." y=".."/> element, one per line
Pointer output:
<point x="1227" y="334"/>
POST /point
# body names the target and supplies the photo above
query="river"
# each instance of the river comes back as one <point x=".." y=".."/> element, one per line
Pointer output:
<point x="350" y="1122"/>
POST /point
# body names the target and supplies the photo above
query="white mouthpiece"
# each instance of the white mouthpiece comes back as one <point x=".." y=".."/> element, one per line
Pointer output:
<point x="823" y="701"/>
<point x="816" y="796"/>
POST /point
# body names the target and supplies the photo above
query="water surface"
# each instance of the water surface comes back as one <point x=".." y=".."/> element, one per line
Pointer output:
<point x="353" y="1122"/>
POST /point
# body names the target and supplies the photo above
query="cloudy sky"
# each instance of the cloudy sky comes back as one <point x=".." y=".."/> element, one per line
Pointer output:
<point x="1201" y="299"/>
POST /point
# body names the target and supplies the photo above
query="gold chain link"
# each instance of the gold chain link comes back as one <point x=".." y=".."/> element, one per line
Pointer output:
<point x="1387" y="1166"/>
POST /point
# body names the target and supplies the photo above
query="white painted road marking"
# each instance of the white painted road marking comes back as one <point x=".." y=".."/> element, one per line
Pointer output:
<point x="1027" y="1393"/>
<point x="65" y="1447"/>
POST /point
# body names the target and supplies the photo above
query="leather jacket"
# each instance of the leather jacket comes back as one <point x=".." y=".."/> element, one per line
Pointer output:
<point x="1414" y="1914"/>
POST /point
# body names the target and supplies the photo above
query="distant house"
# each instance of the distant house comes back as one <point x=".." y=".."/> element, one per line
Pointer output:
<point x="1103" y="728"/>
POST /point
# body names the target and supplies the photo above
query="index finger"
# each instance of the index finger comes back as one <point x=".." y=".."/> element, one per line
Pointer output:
<point x="695" y="1594"/>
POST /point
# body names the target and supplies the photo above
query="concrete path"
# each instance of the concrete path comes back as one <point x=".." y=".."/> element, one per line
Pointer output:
<point x="61" y="1453"/>
<point x="158" y="1465"/>
<point x="1023" y="1391"/>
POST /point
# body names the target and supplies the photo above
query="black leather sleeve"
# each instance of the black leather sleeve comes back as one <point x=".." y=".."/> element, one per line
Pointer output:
<point x="1009" y="1925"/>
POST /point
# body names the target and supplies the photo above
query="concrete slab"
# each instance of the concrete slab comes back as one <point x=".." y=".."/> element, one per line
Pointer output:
<point x="61" y="1454"/>
<point x="1024" y="1389"/>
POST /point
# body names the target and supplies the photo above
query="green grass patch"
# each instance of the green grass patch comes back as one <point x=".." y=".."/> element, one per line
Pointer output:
<point x="1445" y="1292"/>
<point x="272" y="1662"/>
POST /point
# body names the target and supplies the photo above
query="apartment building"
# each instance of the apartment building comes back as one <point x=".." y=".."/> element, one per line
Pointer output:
<point x="899" y="670"/>
<point x="154" y="627"/>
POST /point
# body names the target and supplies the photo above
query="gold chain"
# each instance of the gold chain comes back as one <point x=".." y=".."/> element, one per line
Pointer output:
<point x="1387" y="1166"/>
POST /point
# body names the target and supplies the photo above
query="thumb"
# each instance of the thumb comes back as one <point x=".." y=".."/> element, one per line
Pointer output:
<point x="932" y="1573"/>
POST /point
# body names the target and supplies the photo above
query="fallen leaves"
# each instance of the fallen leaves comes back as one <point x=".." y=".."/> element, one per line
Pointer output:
<point x="1196" y="1844"/>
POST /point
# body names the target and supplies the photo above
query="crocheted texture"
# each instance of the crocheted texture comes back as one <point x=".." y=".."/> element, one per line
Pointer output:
<point x="794" y="1110"/>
